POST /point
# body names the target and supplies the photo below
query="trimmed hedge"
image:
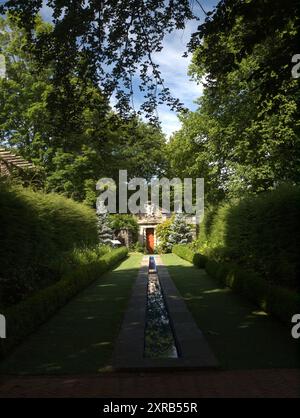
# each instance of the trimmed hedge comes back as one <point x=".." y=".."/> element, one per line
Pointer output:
<point x="187" y="253"/>
<point x="23" y="318"/>
<point x="261" y="233"/>
<point x="280" y="302"/>
<point x="277" y="301"/>
<point x="36" y="231"/>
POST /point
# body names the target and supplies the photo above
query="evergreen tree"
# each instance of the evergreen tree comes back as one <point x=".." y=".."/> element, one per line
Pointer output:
<point x="105" y="233"/>
<point x="180" y="232"/>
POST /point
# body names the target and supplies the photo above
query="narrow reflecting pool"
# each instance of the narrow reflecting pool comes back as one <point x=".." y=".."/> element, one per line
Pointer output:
<point x="159" y="338"/>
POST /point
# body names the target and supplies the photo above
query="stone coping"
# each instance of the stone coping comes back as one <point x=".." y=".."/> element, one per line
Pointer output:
<point x="192" y="346"/>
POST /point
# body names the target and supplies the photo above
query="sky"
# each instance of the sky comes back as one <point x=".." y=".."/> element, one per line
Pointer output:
<point x="173" y="68"/>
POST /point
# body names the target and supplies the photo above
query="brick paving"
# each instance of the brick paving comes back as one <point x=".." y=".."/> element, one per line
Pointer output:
<point x="272" y="383"/>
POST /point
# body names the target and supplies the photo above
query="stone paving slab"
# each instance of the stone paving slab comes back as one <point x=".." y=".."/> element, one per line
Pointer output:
<point x="267" y="383"/>
<point x="193" y="348"/>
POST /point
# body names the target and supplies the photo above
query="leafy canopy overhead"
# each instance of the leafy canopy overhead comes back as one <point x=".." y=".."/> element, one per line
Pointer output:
<point x="245" y="135"/>
<point x="110" y="42"/>
<point x="69" y="131"/>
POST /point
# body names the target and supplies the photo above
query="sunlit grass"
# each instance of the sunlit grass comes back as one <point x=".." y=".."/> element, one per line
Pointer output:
<point x="80" y="337"/>
<point x="240" y="335"/>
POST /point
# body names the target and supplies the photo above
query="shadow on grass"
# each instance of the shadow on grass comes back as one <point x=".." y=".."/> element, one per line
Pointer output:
<point x="240" y="335"/>
<point x="80" y="337"/>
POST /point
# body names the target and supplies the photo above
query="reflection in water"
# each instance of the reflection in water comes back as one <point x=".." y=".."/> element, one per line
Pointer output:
<point x="159" y="339"/>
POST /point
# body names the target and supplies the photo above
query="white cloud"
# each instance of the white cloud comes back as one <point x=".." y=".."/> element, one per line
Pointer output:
<point x="174" y="69"/>
<point x="169" y="121"/>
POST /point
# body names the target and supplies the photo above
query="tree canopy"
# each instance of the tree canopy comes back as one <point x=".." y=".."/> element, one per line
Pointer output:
<point x="110" y="42"/>
<point x="244" y="137"/>
<point x="68" y="130"/>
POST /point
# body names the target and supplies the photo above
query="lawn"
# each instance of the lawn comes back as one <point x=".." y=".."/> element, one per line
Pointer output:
<point x="80" y="337"/>
<point x="240" y="335"/>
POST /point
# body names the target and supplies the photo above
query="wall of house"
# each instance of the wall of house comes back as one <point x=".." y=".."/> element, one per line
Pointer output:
<point x="125" y="237"/>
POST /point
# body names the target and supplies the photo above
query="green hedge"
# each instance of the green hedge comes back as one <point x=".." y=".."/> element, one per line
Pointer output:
<point x="25" y="317"/>
<point x="260" y="233"/>
<point x="187" y="253"/>
<point x="36" y="231"/>
<point x="278" y="301"/>
<point x="120" y="221"/>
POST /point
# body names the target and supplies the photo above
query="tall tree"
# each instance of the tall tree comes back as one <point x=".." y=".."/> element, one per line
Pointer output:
<point x="245" y="135"/>
<point x="68" y="130"/>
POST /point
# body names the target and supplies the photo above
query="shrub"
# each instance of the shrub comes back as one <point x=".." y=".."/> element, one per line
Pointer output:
<point x="276" y="300"/>
<point x="25" y="317"/>
<point x="259" y="233"/>
<point x="180" y="231"/>
<point x="187" y="253"/>
<point x="282" y="303"/>
<point x="163" y="231"/>
<point x="37" y="230"/>
<point x="138" y="248"/>
<point x="124" y="221"/>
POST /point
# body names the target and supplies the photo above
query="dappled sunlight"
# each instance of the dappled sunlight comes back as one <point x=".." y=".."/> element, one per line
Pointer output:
<point x="190" y="297"/>
<point x="79" y="338"/>
<point x="260" y="313"/>
<point x="240" y="334"/>
<point x="225" y="290"/>
<point x="106" y="369"/>
<point x="107" y="285"/>
<point x="102" y="344"/>
<point x="49" y="367"/>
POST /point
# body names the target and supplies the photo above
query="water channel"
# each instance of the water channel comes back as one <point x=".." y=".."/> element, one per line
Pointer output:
<point x="159" y="337"/>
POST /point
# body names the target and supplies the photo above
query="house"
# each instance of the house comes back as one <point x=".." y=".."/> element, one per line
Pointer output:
<point x="148" y="221"/>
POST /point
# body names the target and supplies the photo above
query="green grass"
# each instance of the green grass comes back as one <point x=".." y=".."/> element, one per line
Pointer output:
<point x="241" y="336"/>
<point x="80" y="337"/>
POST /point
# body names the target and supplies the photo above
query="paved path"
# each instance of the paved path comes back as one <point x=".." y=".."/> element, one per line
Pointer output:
<point x="255" y="383"/>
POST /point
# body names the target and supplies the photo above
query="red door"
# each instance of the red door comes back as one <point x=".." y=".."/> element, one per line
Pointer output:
<point x="150" y="240"/>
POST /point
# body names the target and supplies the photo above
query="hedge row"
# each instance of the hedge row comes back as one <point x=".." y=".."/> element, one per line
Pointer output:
<point x="261" y="233"/>
<point x="36" y="231"/>
<point x="187" y="253"/>
<point x="25" y="317"/>
<point x="275" y="300"/>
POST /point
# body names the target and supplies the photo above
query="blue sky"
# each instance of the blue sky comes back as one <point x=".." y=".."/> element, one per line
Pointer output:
<point x="173" y="68"/>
